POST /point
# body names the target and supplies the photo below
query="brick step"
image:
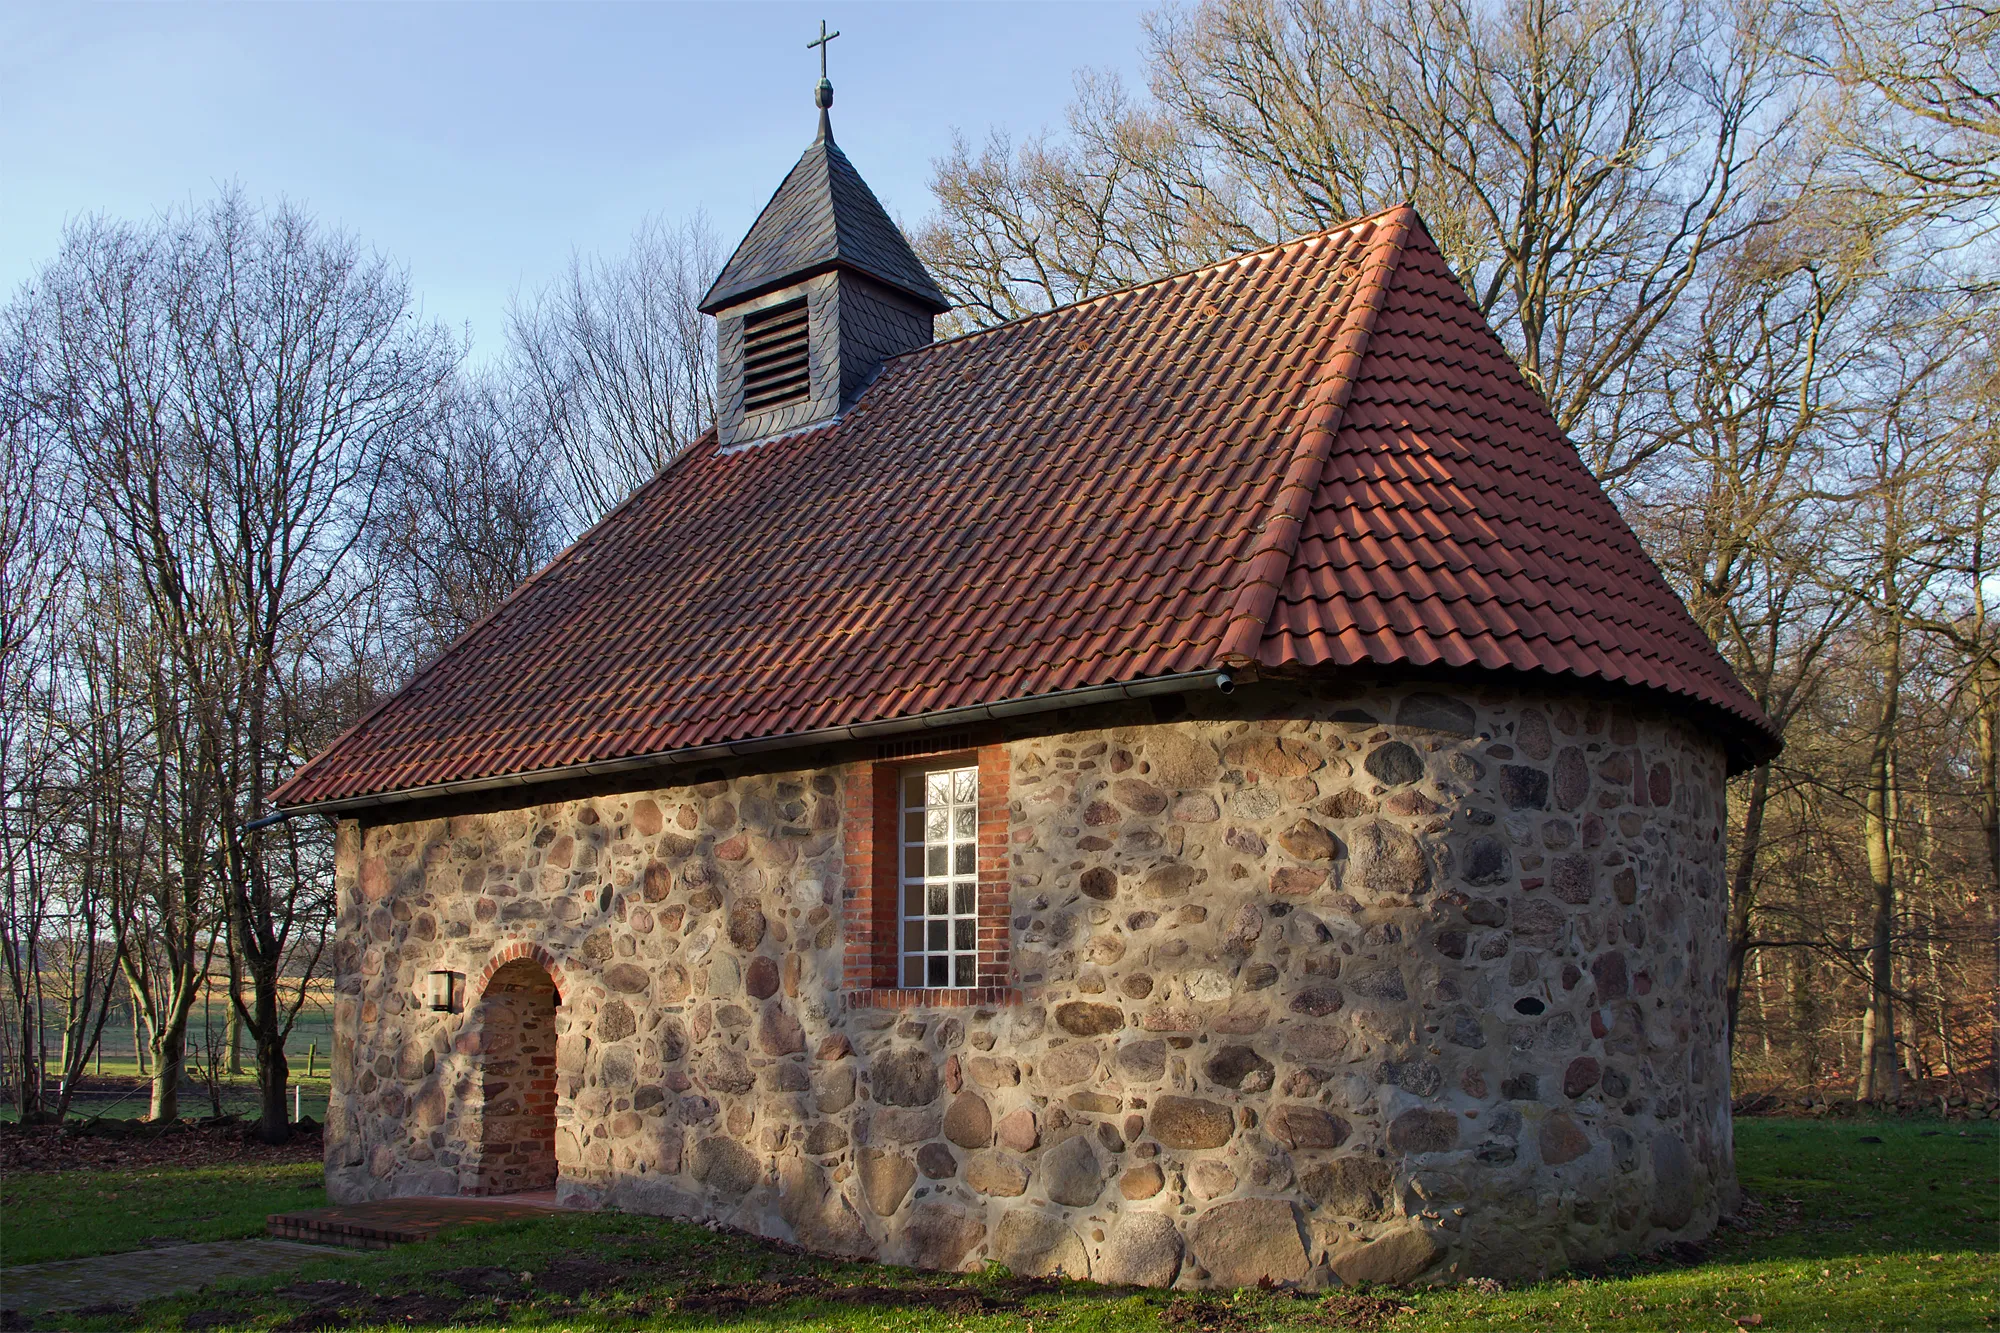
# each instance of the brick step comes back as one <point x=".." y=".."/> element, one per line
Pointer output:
<point x="383" y="1223"/>
<point x="332" y="1231"/>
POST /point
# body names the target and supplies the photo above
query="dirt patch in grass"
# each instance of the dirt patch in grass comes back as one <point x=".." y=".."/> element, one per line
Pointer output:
<point x="480" y="1281"/>
<point x="570" y="1278"/>
<point x="213" y="1317"/>
<point x="1204" y="1314"/>
<point x="343" y="1305"/>
<point x="321" y="1292"/>
<point x="312" y="1321"/>
<point x="720" y="1298"/>
<point x="410" y="1307"/>
<point x="1354" y="1309"/>
<point x="1340" y="1309"/>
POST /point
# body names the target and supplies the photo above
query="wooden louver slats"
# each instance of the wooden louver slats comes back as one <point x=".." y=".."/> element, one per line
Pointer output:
<point x="777" y="365"/>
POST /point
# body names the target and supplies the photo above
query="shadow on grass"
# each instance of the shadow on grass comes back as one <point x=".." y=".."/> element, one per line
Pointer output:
<point x="615" y="1271"/>
<point x="1844" y="1232"/>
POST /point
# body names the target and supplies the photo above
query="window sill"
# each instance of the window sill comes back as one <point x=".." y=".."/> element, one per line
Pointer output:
<point x="938" y="997"/>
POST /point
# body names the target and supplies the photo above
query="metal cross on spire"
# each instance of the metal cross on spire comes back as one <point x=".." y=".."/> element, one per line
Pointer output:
<point x="823" y="95"/>
<point x="824" y="38"/>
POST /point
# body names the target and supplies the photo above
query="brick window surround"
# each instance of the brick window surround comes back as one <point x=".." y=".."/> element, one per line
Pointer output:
<point x="873" y="836"/>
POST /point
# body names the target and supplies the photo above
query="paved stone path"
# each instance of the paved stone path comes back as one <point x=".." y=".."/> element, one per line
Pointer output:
<point x="140" y="1275"/>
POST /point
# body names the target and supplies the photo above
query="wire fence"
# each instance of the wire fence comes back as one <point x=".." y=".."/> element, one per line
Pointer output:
<point x="117" y="1080"/>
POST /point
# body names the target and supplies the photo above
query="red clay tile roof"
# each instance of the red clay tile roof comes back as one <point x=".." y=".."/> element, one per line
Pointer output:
<point x="1314" y="455"/>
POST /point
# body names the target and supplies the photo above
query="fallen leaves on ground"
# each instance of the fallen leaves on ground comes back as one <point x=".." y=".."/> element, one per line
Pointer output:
<point x="119" y="1144"/>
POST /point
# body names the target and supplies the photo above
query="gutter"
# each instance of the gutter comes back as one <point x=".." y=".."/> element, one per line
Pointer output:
<point x="1186" y="682"/>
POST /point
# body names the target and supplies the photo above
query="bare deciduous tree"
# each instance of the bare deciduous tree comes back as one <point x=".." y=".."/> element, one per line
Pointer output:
<point x="1734" y="506"/>
<point x="468" y="512"/>
<point x="1123" y="197"/>
<point x="1923" y="111"/>
<point x="1959" y="607"/>
<point x="1578" y="163"/>
<point x="618" y="364"/>
<point x="1900" y="477"/>
<point x="36" y="547"/>
<point x="231" y="384"/>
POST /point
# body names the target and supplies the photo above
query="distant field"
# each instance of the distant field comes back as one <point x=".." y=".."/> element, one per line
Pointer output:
<point x="110" y="1088"/>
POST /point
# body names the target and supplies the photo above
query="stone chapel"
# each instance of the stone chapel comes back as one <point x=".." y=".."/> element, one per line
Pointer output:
<point x="1197" y="787"/>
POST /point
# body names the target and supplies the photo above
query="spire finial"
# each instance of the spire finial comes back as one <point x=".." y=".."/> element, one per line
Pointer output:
<point x="823" y="95"/>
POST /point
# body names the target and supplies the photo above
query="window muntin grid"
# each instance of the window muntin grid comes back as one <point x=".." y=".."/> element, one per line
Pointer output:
<point x="938" y="931"/>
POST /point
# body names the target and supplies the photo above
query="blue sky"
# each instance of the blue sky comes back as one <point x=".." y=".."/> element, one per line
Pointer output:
<point x="477" y="144"/>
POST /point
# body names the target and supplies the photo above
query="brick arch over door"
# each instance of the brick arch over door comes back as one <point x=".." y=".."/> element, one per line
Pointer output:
<point x="516" y="1018"/>
<point x="513" y="952"/>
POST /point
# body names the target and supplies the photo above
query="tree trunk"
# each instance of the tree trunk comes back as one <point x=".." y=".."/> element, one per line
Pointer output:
<point x="1878" y="1022"/>
<point x="264" y="962"/>
<point x="1763" y="1014"/>
<point x="1911" y="1046"/>
<point x="233" y="1025"/>
<point x="1743" y="894"/>
<point x="1805" y="1034"/>
<point x="1941" y="1026"/>
<point x="169" y="1063"/>
<point x="1986" y="733"/>
<point x="275" y="1124"/>
<point x="68" y="1039"/>
<point x="1877" y="1080"/>
<point x="29" y="1067"/>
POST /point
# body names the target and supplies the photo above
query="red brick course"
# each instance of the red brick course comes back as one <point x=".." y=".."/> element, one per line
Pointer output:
<point x="873" y="842"/>
<point x="517" y="1149"/>
<point x="508" y="953"/>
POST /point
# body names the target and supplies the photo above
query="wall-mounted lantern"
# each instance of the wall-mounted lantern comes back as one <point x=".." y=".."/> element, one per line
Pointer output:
<point x="447" y="990"/>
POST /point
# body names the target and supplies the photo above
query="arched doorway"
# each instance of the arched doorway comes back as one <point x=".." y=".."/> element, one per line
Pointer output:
<point x="517" y="1018"/>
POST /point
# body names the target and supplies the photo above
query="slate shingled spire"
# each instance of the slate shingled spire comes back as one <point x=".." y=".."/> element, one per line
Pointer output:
<point x="820" y="294"/>
<point x="823" y="217"/>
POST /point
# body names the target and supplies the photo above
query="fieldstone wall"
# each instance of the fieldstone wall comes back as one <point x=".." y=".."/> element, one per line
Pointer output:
<point x="1317" y="984"/>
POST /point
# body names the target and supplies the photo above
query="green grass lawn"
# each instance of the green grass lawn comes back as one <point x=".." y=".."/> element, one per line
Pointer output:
<point x="70" y="1214"/>
<point x="1900" y="1234"/>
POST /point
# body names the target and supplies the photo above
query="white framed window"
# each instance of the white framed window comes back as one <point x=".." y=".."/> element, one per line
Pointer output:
<point x="939" y="939"/>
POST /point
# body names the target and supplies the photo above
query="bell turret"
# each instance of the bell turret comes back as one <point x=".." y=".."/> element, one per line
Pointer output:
<point x="822" y="291"/>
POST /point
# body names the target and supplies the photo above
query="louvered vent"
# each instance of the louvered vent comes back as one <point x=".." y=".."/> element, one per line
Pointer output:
<point x="777" y="367"/>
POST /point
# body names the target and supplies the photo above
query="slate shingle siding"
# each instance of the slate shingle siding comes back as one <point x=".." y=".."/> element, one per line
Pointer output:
<point x="875" y="323"/>
<point x="854" y="326"/>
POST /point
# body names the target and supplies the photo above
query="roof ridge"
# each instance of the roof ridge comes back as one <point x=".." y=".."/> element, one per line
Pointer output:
<point x="1083" y="504"/>
<point x="1265" y="570"/>
<point x="1304" y="239"/>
